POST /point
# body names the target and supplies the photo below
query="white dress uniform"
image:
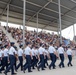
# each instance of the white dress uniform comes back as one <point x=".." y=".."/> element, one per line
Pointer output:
<point x="61" y="50"/>
<point x="20" y="52"/>
<point x="28" y="59"/>
<point x="61" y="54"/>
<point x="41" y="53"/>
<point x="12" y="60"/>
<point x="5" y="52"/>
<point x="36" y="52"/>
<point x="20" y="56"/>
<point x="69" y="53"/>
<point x="2" y="51"/>
<point x="11" y="51"/>
<point x="27" y="51"/>
<point x="33" y="52"/>
<point x="5" y="58"/>
<point x="46" y="52"/>
<point x="51" y="50"/>
<point x="41" y="50"/>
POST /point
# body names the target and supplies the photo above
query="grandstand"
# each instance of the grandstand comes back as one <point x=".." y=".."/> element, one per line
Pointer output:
<point x="47" y="12"/>
<point x="54" y="15"/>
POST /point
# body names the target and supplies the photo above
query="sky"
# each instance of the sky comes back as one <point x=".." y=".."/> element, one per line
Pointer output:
<point x="67" y="33"/>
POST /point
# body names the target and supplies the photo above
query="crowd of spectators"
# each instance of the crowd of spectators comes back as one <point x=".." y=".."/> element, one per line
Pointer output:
<point x="4" y="40"/>
<point x="35" y="38"/>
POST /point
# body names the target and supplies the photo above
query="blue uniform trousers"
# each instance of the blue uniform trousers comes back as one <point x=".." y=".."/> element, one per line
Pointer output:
<point x="62" y="60"/>
<point x="20" y="63"/>
<point x="33" y="62"/>
<point x="28" y="63"/>
<point x="45" y="61"/>
<point x="5" y="63"/>
<point x="41" y="65"/>
<point x="52" y="56"/>
<point x="70" y="59"/>
<point x="11" y="66"/>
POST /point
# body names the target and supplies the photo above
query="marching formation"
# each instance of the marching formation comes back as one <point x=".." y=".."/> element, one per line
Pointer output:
<point x="32" y="57"/>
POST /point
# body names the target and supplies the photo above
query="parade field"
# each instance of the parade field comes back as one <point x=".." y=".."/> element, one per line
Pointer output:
<point x="58" y="71"/>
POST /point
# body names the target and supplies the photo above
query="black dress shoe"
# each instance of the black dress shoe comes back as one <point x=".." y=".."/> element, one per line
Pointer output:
<point x="43" y="69"/>
<point x="47" y="64"/>
<point x="5" y="73"/>
<point x="8" y="71"/>
<point x="68" y="65"/>
<point x="54" y="68"/>
<point x="29" y="71"/>
<point x="38" y="69"/>
<point x="59" y="66"/>
<point x="71" y="65"/>
<point x="23" y="70"/>
<point x="36" y="66"/>
<point x="63" y="66"/>
<point x="0" y="72"/>
<point x="49" y="67"/>
<point x="33" y="68"/>
<point x="16" y="70"/>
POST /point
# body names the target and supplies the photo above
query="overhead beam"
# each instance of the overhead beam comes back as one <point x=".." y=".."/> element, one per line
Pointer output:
<point x="5" y="9"/>
<point x="39" y="10"/>
<point x="50" y="10"/>
<point x="19" y="22"/>
<point x="39" y="6"/>
<point x="45" y="8"/>
<point x="73" y="1"/>
<point x="19" y="17"/>
<point x="32" y="11"/>
<point x="39" y="19"/>
<point x="65" y="7"/>
<point x="40" y="14"/>
<point x="32" y="24"/>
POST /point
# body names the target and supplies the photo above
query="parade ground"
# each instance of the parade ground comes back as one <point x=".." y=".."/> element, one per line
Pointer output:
<point x="58" y="71"/>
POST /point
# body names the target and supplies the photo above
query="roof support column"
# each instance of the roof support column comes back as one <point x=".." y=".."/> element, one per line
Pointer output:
<point x="37" y="24"/>
<point x="60" y="21"/>
<point x="74" y="32"/>
<point x="7" y="18"/>
<point x="24" y="16"/>
<point x="58" y="28"/>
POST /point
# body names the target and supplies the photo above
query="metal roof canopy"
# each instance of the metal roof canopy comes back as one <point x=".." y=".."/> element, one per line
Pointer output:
<point x="47" y="9"/>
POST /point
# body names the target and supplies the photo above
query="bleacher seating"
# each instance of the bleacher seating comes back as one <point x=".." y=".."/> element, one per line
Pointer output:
<point x="43" y="37"/>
